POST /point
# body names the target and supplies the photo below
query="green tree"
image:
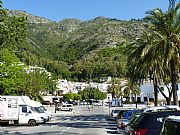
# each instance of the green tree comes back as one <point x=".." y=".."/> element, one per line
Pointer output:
<point x="68" y="96"/>
<point x="36" y="81"/>
<point x="76" y="96"/>
<point x="131" y="90"/>
<point x="157" y="52"/>
<point x="143" y="63"/>
<point x="100" y="95"/>
<point x="114" y="88"/>
<point x="92" y="93"/>
<point x="11" y="72"/>
<point x="166" y="31"/>
<point x="12" y="29"/>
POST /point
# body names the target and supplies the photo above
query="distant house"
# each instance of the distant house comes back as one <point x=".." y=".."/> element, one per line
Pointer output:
<point x="64" y="86"/>
<point x="105" y="79"/>
<point x="36" y="68"/>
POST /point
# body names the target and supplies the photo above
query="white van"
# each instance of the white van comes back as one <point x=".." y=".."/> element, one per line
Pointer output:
<point x="48" y="113"/>
<point x="16" y="110"/>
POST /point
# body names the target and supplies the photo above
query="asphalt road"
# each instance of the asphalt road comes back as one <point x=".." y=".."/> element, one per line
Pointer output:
<point x="80" y="122"/>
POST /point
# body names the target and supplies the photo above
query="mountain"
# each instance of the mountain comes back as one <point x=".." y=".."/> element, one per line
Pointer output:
<point x="74" y="40"/>
<point x="31" y="18"/>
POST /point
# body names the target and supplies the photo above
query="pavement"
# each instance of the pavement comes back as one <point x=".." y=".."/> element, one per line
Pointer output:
<point x="81" y="121"/>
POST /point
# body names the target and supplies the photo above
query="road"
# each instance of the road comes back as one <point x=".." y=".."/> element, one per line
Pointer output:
<point x="80" y="122"/>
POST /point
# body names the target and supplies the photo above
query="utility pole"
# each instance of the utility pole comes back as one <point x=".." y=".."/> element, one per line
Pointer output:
<point x="109" y="106"/>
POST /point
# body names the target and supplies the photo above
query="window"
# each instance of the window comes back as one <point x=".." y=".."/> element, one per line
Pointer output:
<point x="38" y="109"/>
<point x="24" y="109"/>
<point x="138" y="99"/>
<point x="145" y="98"/>
<point x="171" y="128"/>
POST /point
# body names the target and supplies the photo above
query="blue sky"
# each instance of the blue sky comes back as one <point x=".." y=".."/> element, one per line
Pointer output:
<point x="57" y="10"/>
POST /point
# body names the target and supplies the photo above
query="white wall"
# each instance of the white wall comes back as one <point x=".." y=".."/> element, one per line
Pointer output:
<point x="147" y="89"/>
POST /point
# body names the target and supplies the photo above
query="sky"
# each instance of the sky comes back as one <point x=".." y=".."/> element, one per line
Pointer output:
<point x="57" y="10"/>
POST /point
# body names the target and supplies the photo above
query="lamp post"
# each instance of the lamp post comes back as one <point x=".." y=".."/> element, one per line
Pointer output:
<point x="148" y="96"/>
<point x="109" y="105"/>
<point x="136" y="100"/>
<point x="55" y="107"/>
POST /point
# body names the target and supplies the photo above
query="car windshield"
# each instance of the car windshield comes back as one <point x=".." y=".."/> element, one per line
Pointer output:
<point x="133" y="118"/>
<point x="39" y="109"/>
<point x="116" y="111"/>
<point x="139" y="119"/>
<point x="124" y="114"/>
<point x="171" y="128"/>
<point x="43" y="108"/>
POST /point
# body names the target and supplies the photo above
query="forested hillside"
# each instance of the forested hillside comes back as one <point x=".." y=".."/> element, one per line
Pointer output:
<point x="79" y="50"/>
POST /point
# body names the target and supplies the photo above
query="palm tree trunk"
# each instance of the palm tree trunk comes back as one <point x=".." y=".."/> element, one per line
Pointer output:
<point x="113" y="95"/>
<point x="174" y="81"/>
<point x="168" y="101"/>
<point x="155" y="92"/>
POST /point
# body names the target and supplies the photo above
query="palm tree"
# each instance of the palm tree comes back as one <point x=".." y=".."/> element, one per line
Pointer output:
<point x="165" y="28"/>
<point x="143" y="61"/>
<point x="131" y="89"/>
<point x="114" y="88"/>
<point x="156" y="53"/>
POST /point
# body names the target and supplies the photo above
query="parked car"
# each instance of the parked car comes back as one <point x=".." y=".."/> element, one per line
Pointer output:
<point x="128" y="114"/>
<point x="65" y="107"/>
<point x="161" y="108"/>
<point x="131" y="121"/>
<point x="114" y="113"/>
<point x="150" y="123"/>
<point x="171" y="126"/>
<point x="119" y="115"/>
<point x="126" y="117"/>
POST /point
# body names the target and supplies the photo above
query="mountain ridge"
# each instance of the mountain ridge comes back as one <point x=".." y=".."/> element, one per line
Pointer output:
<point x="72" y="40"/>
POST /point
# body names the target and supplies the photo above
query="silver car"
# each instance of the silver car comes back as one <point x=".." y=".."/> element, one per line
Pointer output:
<point x="65" y="107"/>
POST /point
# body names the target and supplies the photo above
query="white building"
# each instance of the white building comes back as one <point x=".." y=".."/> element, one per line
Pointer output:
<point x="147" y="92"/>
<point x="64" y="86"/>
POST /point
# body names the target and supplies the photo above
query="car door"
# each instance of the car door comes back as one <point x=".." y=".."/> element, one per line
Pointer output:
<point x="63" y="107"/>
<point x="23" y="114"/>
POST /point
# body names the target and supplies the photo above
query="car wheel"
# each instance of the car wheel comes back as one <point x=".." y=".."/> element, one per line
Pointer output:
<point x="32" y="123"/>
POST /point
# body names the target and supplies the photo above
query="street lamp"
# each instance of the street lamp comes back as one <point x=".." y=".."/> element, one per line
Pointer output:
<point x="109" y="105"/>
<point x="148" y="96"/>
